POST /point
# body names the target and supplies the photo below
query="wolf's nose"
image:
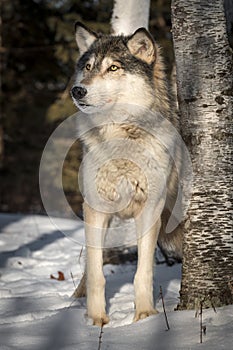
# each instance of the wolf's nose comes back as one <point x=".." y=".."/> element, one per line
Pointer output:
<point x="78" y="92"/>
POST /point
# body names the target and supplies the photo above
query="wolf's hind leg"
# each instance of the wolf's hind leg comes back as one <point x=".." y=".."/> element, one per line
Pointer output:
<point x="95" y="229"/>
<point x="143" y="281"/>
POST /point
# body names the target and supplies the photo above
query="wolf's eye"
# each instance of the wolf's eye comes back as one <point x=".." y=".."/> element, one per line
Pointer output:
<point x="113" y="68"/>
<point x="88" y="66"/>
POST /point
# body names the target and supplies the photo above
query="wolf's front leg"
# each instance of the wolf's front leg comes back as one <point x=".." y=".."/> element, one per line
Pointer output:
<point x="95" y="229"/>
<point x="96" y="287"/>
<point x="143" y="281"/>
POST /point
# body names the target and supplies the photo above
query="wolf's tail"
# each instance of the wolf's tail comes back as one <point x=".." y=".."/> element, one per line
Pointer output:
<point x="171" y="244"/>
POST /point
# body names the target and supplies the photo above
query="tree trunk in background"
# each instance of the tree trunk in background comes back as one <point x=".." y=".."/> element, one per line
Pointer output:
<point x="1" y="145"/>
<point x="129" y="15"/>
<point x="1" y="127"/>
<point x="205" y="95"/>
<point x="228" y="5"/>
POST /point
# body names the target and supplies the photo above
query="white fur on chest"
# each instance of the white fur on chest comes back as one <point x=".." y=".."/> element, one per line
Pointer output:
<point x="123" y="165"/>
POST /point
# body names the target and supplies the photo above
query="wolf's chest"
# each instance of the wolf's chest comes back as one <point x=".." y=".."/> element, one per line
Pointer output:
<point x="120" y="168"/>
<point x="117" y="177"/>
<point x="123" y="184"/>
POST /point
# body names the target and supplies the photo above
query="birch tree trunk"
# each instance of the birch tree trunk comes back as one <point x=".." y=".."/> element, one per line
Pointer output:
<point x="129" y="15"/>
<point x="205" y="95"/>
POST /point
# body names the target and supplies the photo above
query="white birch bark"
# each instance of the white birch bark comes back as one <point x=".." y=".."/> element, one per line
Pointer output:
<point x="205" y="95"/>
<point x="130" y="15"/>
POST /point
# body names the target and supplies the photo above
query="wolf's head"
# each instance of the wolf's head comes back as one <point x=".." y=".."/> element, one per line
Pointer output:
<point x="114" y="70"/>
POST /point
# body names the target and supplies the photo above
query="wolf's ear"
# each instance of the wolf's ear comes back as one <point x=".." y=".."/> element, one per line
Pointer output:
<point x="141" y="45"/>
<point x="84" y="37"/>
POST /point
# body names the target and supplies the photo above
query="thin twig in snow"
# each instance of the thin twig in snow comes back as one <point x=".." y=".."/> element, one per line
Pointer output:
<point x="161" y="294"/>
<point x="201" y="325"/>
<point x="73" y="280"/>
<point x="80" y="254"/>
<point x="100" y="337"/>
<point x="202" y="328"/>
<point x="212" y="304"/>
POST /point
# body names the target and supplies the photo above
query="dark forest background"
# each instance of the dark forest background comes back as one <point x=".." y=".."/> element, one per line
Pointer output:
<point x="38" y="55"/>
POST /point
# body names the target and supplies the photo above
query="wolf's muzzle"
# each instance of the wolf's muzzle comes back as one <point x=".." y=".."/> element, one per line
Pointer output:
<point x="78" y="92"/>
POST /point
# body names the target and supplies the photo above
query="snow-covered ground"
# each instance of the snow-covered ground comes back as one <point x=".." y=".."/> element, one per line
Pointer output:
<point x="37" y="312"/>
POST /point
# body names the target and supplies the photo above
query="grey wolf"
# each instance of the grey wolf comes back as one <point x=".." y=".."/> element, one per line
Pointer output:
<point x="130" y="156"/>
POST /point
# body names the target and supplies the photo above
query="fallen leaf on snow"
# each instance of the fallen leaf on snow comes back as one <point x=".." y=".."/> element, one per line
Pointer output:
<point x="60" y="277"/>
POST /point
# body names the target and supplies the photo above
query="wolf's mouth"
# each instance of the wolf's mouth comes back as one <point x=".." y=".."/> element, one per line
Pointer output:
<point x="89" y="108"/>
<point x="83" y="104"/>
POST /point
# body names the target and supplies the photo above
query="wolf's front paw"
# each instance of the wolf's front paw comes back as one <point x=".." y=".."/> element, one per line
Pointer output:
<point x="140" y="315"/>
<point x="100" y="321"/>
